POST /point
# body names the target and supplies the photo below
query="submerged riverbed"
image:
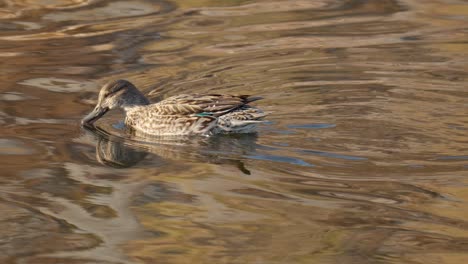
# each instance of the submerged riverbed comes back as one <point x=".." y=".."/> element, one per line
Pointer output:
<point x="363" y="159"/>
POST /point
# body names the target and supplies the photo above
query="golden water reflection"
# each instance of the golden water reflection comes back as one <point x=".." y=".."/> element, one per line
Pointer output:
<point x="363" y="159"/>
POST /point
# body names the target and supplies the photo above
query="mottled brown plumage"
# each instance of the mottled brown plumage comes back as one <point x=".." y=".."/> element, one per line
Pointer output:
<point x="183" y="114"/>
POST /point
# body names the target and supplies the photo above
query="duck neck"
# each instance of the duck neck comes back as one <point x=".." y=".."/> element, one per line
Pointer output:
<point x="136" y="100"/>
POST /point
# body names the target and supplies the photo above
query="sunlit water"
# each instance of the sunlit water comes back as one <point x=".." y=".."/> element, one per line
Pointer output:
<point x="364" y="158"/>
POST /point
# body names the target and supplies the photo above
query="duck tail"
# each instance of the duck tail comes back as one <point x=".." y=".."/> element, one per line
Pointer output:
<point x="248" y="98"/>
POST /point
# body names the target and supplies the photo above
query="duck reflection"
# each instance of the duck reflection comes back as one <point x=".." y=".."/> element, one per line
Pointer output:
<point x="118" y="152"/>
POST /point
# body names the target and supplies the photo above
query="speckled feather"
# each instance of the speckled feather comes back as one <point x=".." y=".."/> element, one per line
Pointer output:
<point x="183" y="114"/>
<point x="215" y="104"/>
<point x="196" y="114"/>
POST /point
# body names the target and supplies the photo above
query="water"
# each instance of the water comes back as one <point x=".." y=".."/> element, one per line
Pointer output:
<point x="364" y="158"/>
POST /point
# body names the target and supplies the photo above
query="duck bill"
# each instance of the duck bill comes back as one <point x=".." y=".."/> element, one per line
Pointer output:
<point x="92" y="117"/>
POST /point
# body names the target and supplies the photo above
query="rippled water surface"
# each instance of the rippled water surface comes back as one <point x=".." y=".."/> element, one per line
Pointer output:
<point x="364" y="158"/>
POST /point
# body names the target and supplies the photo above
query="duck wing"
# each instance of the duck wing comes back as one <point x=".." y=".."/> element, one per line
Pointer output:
<point x="202" y="104"/>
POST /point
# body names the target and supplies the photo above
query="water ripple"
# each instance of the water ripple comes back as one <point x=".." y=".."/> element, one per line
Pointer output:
<point x="363" y="159"/>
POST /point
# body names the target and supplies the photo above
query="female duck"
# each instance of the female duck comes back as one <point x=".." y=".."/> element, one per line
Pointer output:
<point x="204" y="114"/>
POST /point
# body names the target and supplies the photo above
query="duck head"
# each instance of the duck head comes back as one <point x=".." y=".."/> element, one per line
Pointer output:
<point x="115" y="94"/>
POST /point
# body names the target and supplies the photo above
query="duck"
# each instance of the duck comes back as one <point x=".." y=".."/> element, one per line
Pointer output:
<point x="183" y="114"/>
